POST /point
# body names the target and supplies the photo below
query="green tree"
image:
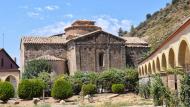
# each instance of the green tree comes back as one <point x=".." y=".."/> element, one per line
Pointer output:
<point x="34" y="67"/>
<point x="45" y="77"/>
<point x="131" y="78"/>
<point x="121" y="32"/>
<point x="148" y="16"/>
<point x="161" y="93"/>
<point x="109" y="77"/>
<point x="185" y="90"/>
<point x="175" y="1"/>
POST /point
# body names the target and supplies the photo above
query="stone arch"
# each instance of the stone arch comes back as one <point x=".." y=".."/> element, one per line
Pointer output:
<point x="171" y="58"/>
<point x="12" y="80"/>
<point x="146" y="70"/>
<point x="149" y="69"/>
<point x="184" y="55"/>
<point x="153" y="66"/>
<point x="158" y="64"/>
<point x="164" y="63"/>
<point x="143" y="71"/>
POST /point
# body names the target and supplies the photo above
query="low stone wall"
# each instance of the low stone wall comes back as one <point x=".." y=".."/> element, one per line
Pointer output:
<point x="172" y="81"/>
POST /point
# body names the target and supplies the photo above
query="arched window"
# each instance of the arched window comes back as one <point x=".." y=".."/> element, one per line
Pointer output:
<point x="101" y="59"/>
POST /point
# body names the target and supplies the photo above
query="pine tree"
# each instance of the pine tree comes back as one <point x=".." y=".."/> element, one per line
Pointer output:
<point x="120" y="32"/>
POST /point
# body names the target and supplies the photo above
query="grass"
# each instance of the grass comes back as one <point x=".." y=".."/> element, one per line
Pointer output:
<point x="122" y="104"/>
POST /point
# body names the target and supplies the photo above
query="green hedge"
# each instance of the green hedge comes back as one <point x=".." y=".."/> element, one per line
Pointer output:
<point x="118" y="88"/>
<point x="6" y="91"/>
<point x="62" y="89"/>
<point x="77" y="85"/>
<point x="88" y="89"/>
<point x="30" y="88"/>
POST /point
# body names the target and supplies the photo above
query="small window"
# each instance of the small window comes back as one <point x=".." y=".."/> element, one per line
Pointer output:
<point x="101" y="59"/>
<point x="2" y="62"/>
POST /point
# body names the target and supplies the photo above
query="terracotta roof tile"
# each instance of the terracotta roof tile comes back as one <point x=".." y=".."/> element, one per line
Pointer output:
<point x="49" y="58"/>
<point x="134" y="40"/>
<point x="44" y="40"/>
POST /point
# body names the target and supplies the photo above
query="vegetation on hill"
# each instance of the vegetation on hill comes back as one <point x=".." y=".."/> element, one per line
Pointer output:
<point x="159" y="25"/>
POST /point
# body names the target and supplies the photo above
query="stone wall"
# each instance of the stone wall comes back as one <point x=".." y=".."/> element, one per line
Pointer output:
<point x="33" y="51"/>
<point x="88" y="51"/>
<point x="134" y="55"/>
<point x="4" y="74"/>
<point x="71" y="58"/>
<point x="58" y="67"/>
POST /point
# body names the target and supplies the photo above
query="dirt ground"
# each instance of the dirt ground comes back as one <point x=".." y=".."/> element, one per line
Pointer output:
<point x="99" y="100"/>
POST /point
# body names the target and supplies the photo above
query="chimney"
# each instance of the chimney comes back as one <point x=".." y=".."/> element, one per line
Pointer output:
<point x="15" y="59"/>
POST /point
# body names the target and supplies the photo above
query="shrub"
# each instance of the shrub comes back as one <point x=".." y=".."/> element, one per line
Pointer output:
<point x="185" y="90"/>
<point x="109" y="77"/>
<point x="144" y="90"/>
<point x="62" y="89"/>
<point x="88" y="89"/>
<point x="6" y="91"/>
<point x="30" y="88"/>
<point x="77" y="85"/>
<point x="81" y="78"/>
<point x="45" y="77"/>
<point x="34" y="67"/>
<point x="118" y="88"/>
<point x="131" y="79"/>
<point x="86" y="77"/>
<point x="160" y="93"/>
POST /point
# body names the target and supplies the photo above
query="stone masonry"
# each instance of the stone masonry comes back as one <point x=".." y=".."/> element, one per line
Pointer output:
<point x="83" y="47"/>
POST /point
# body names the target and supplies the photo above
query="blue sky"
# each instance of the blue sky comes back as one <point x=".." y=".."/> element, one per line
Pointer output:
<point x="45" y="17"/>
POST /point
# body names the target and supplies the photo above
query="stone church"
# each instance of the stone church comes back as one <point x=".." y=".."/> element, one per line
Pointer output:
<point x="83" y="47"/>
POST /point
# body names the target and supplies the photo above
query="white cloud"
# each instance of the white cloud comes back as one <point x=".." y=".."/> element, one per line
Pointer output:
<point x="39" y="12"/>
<point x="111" y="24"/>
<point x="52" y="29"/>
<point x="107" y="23"/>
<point x="68" y="16"/>
<point x="38" y="8"/>
<point x="33" y="14"/>
<point x="51" y="7"/>
<point x="68" y="4"/>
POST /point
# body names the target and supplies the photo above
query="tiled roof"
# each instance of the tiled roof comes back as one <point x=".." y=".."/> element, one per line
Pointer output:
<point x="44" y="40"/>
<point x="49" y="58"/>
<point x="135" y="42"/>
<point x="97" y="31"/>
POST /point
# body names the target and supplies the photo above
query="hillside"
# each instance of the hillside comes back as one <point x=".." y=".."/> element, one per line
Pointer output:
<point x="162" y="23"/>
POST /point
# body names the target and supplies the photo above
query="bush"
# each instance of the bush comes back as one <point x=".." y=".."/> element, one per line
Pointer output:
<point x="118" y="88"/>
<point x="30" y="88"/>
<point x="88" y="89"/>
<point x="109" y="77"/>
<point x="185" y="90"/>
<point x="6" y="91"/>
<point x="86" y="77"/>
<point x="34" y="67"/>
<point x="131" y="79"/>
<point x="161" y="93"/>
<point x="77" y="85"/>
<point x="144" y="90"/>
<point x="62" y="89"/>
